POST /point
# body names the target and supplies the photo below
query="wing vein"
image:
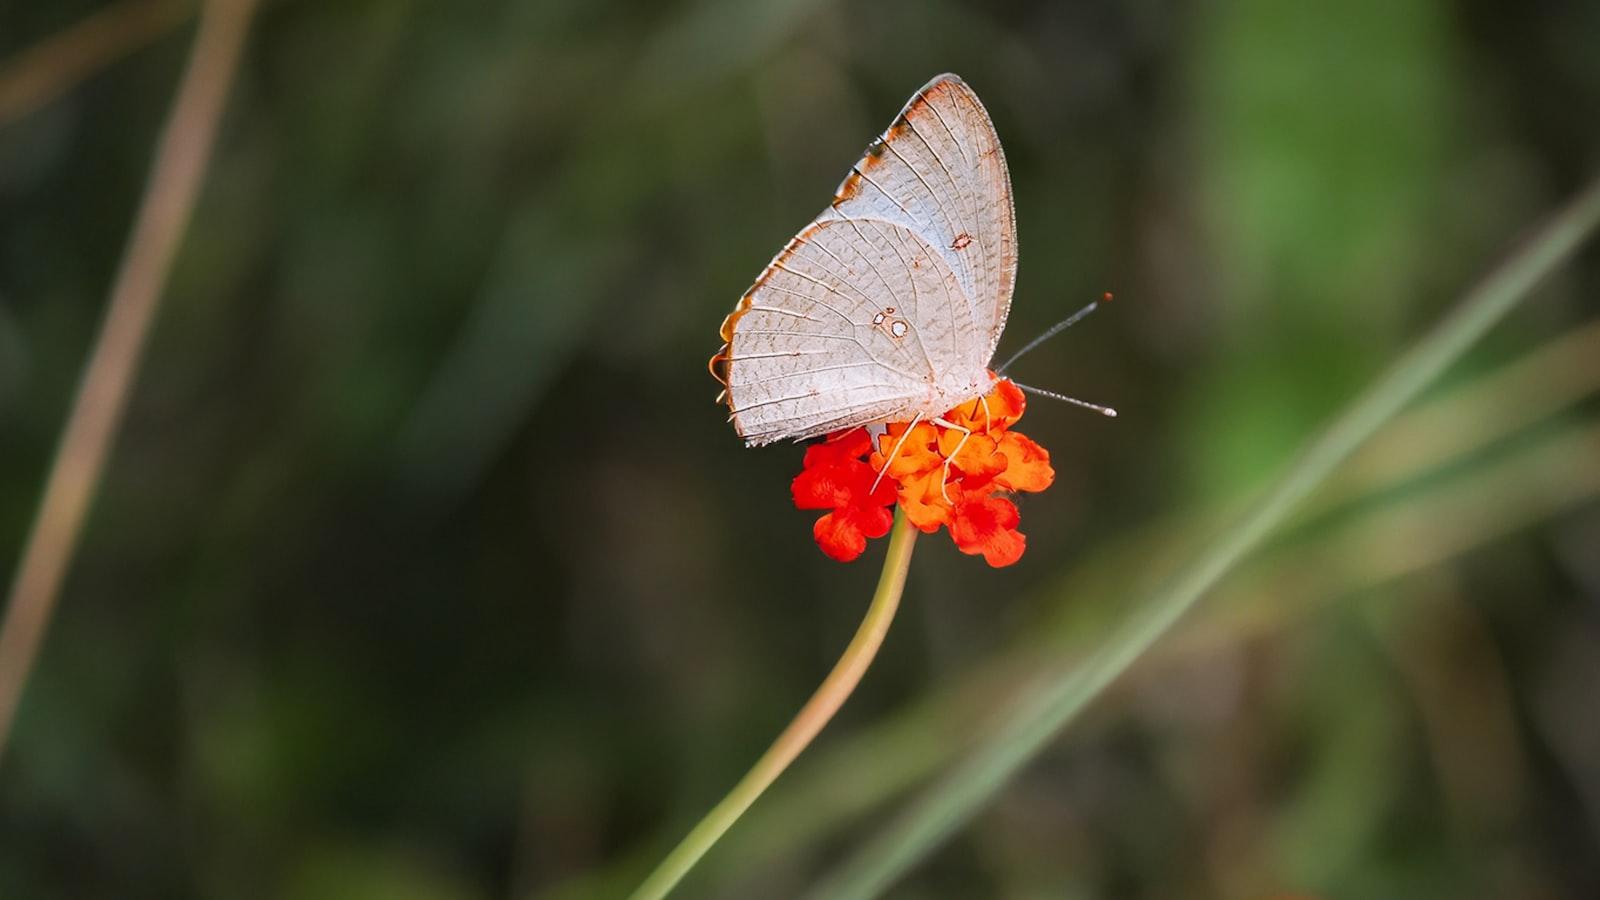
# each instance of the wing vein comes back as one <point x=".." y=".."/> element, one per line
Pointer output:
<point x="972" y="219"/>
<point x="850" y="416"/>
<point x="966" y="265"/>
<point x="916" y="295"/>
<point x="804" y="372"/>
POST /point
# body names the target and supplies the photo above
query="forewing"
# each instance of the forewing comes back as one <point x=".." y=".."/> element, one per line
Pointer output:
<point x="938" y="170"/>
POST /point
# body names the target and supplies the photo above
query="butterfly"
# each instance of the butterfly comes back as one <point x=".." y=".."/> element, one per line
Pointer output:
<point x="889" y="305"/>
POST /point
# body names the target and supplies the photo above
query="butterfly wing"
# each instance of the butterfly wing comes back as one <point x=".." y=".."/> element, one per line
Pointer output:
<point x="894" y="298"/>
<point x="939" y="171"/>
<point x="810" y="349"/>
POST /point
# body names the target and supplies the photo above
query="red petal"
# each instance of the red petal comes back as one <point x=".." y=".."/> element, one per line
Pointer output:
<point x="830" y="484"/>
<point x="838" y="537"/>
<point x="843" y="533"/>
<point x="843" y="445"/>
<point x="874" y="521"/>
<point x="987" y="525"/>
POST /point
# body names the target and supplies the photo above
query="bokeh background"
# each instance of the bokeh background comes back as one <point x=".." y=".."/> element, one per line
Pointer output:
<point x="426" y="567"/>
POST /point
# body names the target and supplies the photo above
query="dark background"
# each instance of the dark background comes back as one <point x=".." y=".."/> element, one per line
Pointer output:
<point x="426" y="567"/>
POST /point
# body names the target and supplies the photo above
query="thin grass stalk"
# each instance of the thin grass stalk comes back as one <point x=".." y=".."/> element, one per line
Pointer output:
<point x="45" y="71"/>
<point x="176" y="174"/>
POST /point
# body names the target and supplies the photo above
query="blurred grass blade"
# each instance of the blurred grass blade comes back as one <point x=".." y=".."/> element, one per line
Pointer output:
<point x="1057" y="697"/>
<point x="55" y="65"/>
<point x="181" y="160"/>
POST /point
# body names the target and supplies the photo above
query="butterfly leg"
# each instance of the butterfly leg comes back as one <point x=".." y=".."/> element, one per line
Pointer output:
<point x="894" y="451"/>
<point x="965" y="433"/>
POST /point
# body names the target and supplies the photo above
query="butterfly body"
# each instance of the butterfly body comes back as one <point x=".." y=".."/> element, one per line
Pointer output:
<point x="888" y="306"/>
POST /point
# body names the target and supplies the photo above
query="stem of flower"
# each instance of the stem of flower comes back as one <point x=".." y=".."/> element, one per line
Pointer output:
<point x="807" y="723"/>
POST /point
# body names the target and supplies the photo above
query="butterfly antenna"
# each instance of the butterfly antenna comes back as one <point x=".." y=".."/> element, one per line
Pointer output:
<point x="1102" y="410"/>
<point x="1054" y="330"/>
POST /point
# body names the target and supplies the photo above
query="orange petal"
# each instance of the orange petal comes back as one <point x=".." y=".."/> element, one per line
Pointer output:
<point x="1027" y="464"/>
<point x="978" y="462"/>
<point x="917" y="454"/>
<point x="994" y="412"/>
<point x="1006" y="404"/>
<point x="969" y="415"/>
<point x="924" y="503"/>
<point x="949" y="439"/>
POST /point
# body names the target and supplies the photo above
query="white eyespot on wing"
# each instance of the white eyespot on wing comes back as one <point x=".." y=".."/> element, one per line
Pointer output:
<point x="939" y="171"/>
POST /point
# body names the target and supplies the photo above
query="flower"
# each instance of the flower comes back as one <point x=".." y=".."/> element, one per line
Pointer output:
<point x="941" y="476"/>
<point x="835" y="478"/>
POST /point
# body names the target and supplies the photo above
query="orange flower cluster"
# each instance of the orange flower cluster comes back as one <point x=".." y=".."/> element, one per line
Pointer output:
<point x="940" y="476"/>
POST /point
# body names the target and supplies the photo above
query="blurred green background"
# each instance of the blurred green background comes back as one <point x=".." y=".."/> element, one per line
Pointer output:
<point x="426" y="568"/>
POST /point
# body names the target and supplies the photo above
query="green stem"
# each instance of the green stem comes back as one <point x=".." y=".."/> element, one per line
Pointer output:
<point x="807" y="723"/>
<point x="1059" y="695"/>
